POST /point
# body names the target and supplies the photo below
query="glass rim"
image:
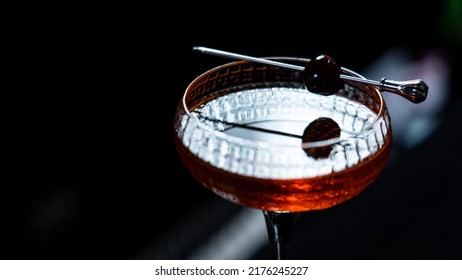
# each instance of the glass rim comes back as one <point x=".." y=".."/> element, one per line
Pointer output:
<point x="315" y="144"/>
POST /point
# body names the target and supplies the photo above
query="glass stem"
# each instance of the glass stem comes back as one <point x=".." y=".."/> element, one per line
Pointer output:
<point x="279" y="226"/>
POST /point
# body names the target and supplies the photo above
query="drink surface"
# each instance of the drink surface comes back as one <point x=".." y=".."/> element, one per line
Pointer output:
<point x="246" y="147"/>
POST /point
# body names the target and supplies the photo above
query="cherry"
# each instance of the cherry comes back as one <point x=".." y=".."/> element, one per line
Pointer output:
<point x="322" y="75"/>
<point x="321" y="129"/>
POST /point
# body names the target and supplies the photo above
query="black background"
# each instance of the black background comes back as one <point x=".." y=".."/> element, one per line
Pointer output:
<point x="89" y="90"/>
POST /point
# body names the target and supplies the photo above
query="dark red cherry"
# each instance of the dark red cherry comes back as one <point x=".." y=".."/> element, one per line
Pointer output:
<point x="319" y="130"/>
<point x="322" y="75"/>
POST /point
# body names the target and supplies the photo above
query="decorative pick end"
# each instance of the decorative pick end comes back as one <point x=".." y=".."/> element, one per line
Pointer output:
<point x="413" y="90"/>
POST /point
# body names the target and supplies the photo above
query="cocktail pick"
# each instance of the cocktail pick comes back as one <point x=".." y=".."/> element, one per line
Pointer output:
<point x="317" y="137"/>
<point x="413" y="90"/>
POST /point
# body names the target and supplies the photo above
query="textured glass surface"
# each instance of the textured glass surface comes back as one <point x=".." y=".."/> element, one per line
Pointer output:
<point x="222" y="132"/>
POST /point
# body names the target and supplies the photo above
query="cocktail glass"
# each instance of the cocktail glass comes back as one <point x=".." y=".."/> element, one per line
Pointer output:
<point x="240" y="128"/>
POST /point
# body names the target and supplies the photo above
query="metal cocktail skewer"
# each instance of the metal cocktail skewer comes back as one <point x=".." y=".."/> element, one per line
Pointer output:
<point x="413" y="90"/>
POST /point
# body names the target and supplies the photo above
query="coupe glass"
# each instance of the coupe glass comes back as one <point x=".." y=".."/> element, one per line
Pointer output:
<point x="239" y="131"/>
